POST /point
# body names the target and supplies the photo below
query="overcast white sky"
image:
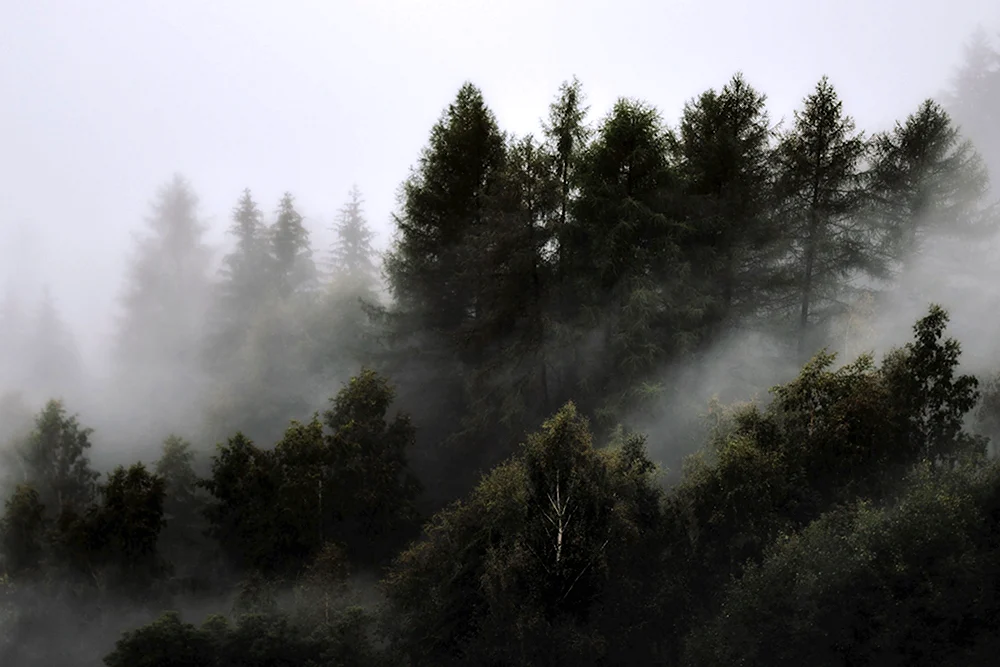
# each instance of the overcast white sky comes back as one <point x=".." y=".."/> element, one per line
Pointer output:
<point x="102" y="100"/>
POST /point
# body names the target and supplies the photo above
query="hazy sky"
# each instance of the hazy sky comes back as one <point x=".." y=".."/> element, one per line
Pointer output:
<point x="102" y="100"/>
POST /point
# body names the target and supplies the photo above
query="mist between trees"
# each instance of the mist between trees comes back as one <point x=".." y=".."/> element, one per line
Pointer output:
<point x="468" y="450"/>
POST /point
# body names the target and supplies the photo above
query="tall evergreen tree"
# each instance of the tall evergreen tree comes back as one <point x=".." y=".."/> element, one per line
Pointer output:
<point x="292" y="256"/>
<point x="633" y="280"/>
<point x="431" y="273"/>
<point x="165" y="303"/>
<point x="823" y="200"/>
<point x="437" y="274"/>
<point x="567" y="135"/>
<point x="974" y="96"/>
<point x="164" y="300"/>
<point x="245" y="270"/>
<point x="725" y="162"/>
<point x="352" y="256"/>
<point x="927" y="178"/>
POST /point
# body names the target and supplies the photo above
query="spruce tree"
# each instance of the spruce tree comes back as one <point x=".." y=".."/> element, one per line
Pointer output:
<point x="725" y="162"/>
<point x="436" y="282"/>
<point x="631" y="277"/>
<point x="438" y="277"/>
<point x="164" y="305"/>
<point x="352" y="256"/>
<point x="823" y="203"/>
<point x="926" y="179"/>
<point x="292" y="262"/>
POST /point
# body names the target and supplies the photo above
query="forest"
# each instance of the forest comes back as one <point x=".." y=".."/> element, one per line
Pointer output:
<point x="436" y="455"/>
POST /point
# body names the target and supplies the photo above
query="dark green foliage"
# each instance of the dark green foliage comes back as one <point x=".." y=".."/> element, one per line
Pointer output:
<point x="829" y="437"/>
<point x="22" y="532"/>
<point x="635" y="293"/>
<point x="54" y="460"/>
<point x="907" y="584"/>
<point x="525" y="571"/>
<point x="352" y="257"/>
<point x="432" y="277"/>
<point x="292" y="263"/>
<point x="926" y="178"/>
<point x="376" y="490"/>
<point x="272" y="511"/>
<point x="124" y="528"/>
<point x="823" y="201"/>
<point x="725" y="162"/>
<point x="252" y="640"/>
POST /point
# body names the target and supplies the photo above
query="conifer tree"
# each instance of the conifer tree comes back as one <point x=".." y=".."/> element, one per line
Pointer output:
<point x="823" y="202"/>
<point x="634" y="287"/>
<point x="164" y="301"/>
<point x="725" y="163"/>
<point x="352" y="256"/>
<point x="433" y="277"/>
<point x="246" y="269"/>
<point x="164" y="308"/>
<point x="927" y="178"/>
<point x="292" y="262"/>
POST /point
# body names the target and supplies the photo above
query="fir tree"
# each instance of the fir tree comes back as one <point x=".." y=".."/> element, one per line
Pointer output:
<point x="724" y="157"/>
<point x="292" y="262"/>
<point x="823" y="202"/>
<point x="352" y="255"/>
<point x="927" y="179"/>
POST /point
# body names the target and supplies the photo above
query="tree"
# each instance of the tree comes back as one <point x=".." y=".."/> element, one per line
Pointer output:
<point x="725" y="163"/>
<point x="292" y="256"/>
<point x="633" y="279"/>
<point x="926" y="178"/>
<point x="183" y="501"/>
<point x="823" y="203"/>
<point x="22" y="532"/>
<point x="125" y="527"/>
<point x="54" y="461"/>
<point x="352" y="255"/>
<point x="243" y="513"/>
<point x="974" y="96"/>
<point x="438" y="278"/>
<point x="245" y="275"/>
<point x="869" y="584"/>
<point x="431" y="275"/>
<point x="525" y="571"/>
<point x="375" y="488"/>
<point x="165" y="304"/>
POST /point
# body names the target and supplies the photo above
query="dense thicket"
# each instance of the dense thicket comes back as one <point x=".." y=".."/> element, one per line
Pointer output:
<point x="472" y="459"/>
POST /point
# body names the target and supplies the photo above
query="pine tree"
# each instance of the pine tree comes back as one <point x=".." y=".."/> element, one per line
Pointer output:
<point x="974" y="97"/>
<point x="352" y="255"/>
<point x="433" y="277"/>
<point x="439" y="278"/>
<point x="292" y="262"/>
<point x="165" y="304"/>
<point x="823" y="202"/>
<point x="724" y="157"/>
<point x="926" y="179"/>
<point x="245" y="270"/>
<point x="631" y="277"/>
<point x="164" y="300"/>
<point x="567" y="135"/>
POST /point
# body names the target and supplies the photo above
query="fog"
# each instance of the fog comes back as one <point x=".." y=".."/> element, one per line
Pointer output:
<point x="104" y="105"/>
